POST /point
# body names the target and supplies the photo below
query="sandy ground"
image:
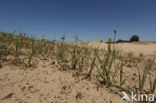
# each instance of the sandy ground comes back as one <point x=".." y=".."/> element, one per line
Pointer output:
<point x="145" y="48"/>
<point x="47" y="84"/>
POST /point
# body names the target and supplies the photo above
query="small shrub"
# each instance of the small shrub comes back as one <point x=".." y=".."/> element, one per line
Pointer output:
<point x="134" y="38"/>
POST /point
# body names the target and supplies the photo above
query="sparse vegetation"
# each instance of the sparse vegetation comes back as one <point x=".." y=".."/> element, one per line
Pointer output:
<point x="108" y="64"/>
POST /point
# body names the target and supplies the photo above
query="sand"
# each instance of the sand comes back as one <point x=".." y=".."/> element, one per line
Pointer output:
<point x="47" y="84"/>
<point x="146" y="48"/>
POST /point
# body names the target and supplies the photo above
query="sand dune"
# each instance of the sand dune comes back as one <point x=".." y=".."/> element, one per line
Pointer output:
<point x="47" y="84"/>
<point x="146" y="48"/>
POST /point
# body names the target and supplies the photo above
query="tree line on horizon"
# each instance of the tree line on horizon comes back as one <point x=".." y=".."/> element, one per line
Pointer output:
<point x="133" y="38"/>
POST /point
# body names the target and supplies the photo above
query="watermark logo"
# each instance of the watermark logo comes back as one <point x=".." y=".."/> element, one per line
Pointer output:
<point x="138" y="97"/>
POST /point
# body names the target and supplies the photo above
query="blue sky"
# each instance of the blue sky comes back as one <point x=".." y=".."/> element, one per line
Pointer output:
<point x="90" y="19"/>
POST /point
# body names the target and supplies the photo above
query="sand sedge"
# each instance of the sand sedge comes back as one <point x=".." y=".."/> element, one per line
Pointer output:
<point x="83" y="61"/>
<point x="115" y="31"/>
<point x="61" y="54"/>
<point x="104" y="73"/>
<point x="91" y="67"/>
<point x="109" y="44"/>
<point x="75" y="53"/>
<point x="121" y="74"/>
<point x="75" y="58"/>
<point x="146" y="70"/>
<point x="60" y="50"/>
<point x="51" y="46"/>
<point x="153" y="86"/>
<point x="17" y="50"/>
<point x="5" y="50"/>
<point x="108" y="62"/>
<point x="81" y="64"/>
<point x="31" y="54"/>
